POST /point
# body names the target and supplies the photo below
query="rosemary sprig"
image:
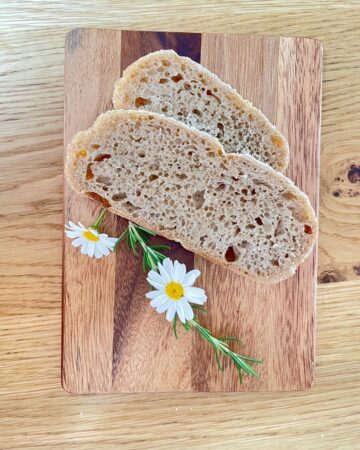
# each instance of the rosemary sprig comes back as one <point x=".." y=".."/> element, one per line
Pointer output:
<point x="137" y="236"/>
<point x="220" y="346"/>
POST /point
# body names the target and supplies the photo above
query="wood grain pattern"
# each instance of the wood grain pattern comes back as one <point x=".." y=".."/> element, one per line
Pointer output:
<point x="35" y="413"/>
<point x="282" y="76"/>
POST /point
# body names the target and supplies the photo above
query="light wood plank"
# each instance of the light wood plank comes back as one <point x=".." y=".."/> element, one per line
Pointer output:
<point x="88" y="306"/>
<point x="35" y="412"/>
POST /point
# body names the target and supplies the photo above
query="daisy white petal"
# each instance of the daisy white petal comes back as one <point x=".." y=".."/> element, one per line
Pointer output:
<point x="164" y="306"/>
<point x="156" y="278"/>
<point x="153" y="294"/>
<point x="179" y="272"/>
<point x="169" y="267"/>
<point x="155" y="285"/>
<point x="84" y="247"/>
<point x="98" y="253"/>
<point x="91" y="249"/>
<point x="164" y="273"/>
<point x="195" y="292"/>
<point x="72" y="234"/>
<point x="180" y="311"/>
<point x="190" y="277"/>
<point x="74" y="227"/>
<point x="103" y="249"/>
<point x="107" y="241"/>
<point x="189" y="313"/>
<point x="171" y="312"/>
<point x="77" y="242"/>
<point x="195" y="301"/>
<point x="159" y="300"/>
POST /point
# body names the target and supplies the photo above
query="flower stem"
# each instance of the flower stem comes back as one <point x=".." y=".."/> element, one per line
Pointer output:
<point x="121" y="237"/>
<point x="97" y="224"/>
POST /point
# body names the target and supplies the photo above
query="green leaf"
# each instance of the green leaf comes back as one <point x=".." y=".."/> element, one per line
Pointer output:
<point x="230" y="339"/>
<point x="175" y="327"/>
<point x="218" y="360"/>
<point x="200" y="308"/>
<point x="160" y="247"/>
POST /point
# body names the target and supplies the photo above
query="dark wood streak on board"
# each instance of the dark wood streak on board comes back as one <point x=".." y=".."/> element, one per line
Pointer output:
<point x="136" y="44"/>
<point x="129" y="286"/>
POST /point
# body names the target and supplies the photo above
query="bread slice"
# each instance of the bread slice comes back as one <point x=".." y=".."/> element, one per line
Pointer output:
<point x="177" y="87"/>
<point x="178" y="182"/>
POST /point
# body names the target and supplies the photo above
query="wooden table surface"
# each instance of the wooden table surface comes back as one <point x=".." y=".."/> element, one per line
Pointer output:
<point x="35" y="413"/>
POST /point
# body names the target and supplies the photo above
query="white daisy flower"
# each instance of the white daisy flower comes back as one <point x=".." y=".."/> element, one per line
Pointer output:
<point x="91" y="241"/>
<point x="174" y="290"/>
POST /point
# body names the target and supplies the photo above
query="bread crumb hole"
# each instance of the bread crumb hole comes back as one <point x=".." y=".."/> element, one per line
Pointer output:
<point x="144" y="79"/>
<point x="165" y="62"/>
<point x="102" y="157"/>
<point x="153" y="177"/>
<point x="177" y="78"/>
<point x="197" y="112"/>
<point x="275" y="262"/>
<point x="308" y="229"/>
<point x="129" y="207"/>
<point x="280" y="228"/>
<point x="232" y="254"/>
<point x="140" y="101"/>
<point x="95" y="146"/>
<point x="103" y="180"/>
<point x="199" y="199"/>
<point x="118" y="197"/>
<point x="245" y="244"/>
<point x="89" y="172"/>
<point x="164" y="109"/>
<point x="163" y="80"/>
<point x="141" y="153"/>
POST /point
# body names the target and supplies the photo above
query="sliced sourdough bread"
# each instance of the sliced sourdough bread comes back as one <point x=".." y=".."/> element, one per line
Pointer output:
<point x="178" y="87"/>
<point x="179" y="182"/>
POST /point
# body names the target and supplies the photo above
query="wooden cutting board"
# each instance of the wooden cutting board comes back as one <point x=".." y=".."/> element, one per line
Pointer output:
<point x="112" y="340"/>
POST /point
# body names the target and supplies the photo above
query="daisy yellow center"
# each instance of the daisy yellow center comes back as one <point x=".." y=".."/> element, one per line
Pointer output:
<point x="174" y="290"/>
<point x="90" y="236"/>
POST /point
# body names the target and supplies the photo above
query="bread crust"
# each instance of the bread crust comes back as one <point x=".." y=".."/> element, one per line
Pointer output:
<point x="125" y="85"/>
<point x="105" y="124"/>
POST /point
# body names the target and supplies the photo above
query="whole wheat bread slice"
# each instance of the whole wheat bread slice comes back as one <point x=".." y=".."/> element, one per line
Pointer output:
<point x="178" y="87"/>
<point x="179" y="182"/>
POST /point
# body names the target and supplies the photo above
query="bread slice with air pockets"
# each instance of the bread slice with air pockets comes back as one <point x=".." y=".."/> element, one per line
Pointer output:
<point x="179" y="183"/>
<point x="178" y="87"/>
